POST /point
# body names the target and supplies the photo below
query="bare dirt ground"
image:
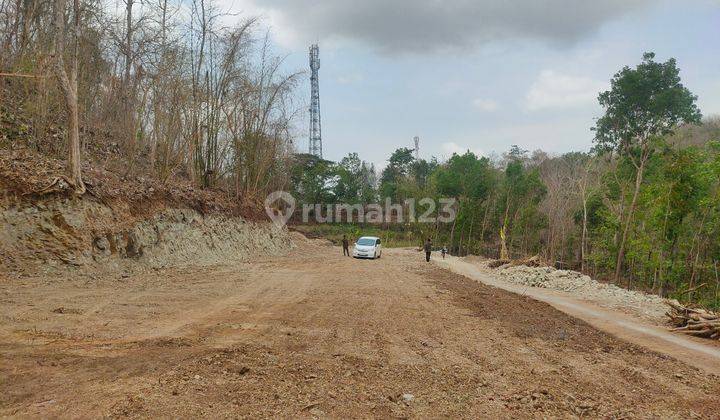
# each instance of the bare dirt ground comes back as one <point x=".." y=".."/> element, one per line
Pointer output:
<point x="315" y="334"/>
<point x="612" y="313"/>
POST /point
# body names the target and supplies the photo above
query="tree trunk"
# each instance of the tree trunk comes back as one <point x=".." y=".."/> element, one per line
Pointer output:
<point x="631" y="210"/>
<point x="69" y="87"/>
<point x="583" y="239"/>
<point x="696" y="240"/>
<point x="452" y="233"/>
<point x="129" y="88"/>
<point x="469" y="240"/>
<point x="717" y="282"/>
<point x="460" y="244"/>
<point x="488" y="204"/>
<point x="73" y="164"/>
<point x="128" y="39"/>
<point x="658" y="280"/>
<point x="504" y="255"/>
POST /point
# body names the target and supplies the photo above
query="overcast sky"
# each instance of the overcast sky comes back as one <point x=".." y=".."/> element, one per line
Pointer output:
<point x="480" y="75"/>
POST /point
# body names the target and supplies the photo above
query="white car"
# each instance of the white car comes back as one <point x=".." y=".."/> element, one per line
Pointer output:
<point x="367" y="247"/>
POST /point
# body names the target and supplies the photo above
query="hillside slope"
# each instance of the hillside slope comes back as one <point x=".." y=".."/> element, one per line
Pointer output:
<point x="121" y="223"/>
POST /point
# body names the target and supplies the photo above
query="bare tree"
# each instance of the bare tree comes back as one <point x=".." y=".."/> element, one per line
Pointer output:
<point x="586" y="178"/>
<point x="68" y="81"/>
<point x="211" y="104"/>
<point x="557" y="204"/>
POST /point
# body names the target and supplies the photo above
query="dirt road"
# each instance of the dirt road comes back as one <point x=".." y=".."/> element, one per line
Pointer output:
<point x="314" y="334"/>
<point x="701" y="353"/>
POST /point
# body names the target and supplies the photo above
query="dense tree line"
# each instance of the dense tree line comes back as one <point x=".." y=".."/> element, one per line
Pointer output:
<point x="165" y="87"/>
<point x="642" y="208"/>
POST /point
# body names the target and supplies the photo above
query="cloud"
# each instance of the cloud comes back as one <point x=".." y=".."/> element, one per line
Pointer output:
<point x="451" y="147"/>
<point x="485" y="105"/>
<point x="422" y="26"/>
<point x="556" y="90"/>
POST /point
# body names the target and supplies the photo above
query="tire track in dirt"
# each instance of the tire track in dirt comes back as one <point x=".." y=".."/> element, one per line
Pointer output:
<point x="696" y="352"/>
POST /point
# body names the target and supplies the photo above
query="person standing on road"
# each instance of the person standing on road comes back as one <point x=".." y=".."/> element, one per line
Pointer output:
<point x="443" y="251"/>
<point x="346" y="246"/>
<point x="428" y="249"/>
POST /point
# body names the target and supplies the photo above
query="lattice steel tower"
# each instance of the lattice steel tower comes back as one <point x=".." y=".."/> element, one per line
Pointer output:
<point x="315" y="143"/>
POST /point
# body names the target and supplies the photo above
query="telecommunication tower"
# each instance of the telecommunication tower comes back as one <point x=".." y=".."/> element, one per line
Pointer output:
<point x="416" y="139"/>
<point x="315" y="141"/>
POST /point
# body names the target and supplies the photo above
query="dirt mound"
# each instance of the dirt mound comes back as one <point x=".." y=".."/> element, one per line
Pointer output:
<point x="300" y="239"/>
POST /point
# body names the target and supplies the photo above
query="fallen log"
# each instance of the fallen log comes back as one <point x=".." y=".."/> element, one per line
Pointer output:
<point x="497" y="263"/>
<point x="534" y="261"/>
<point x="530" y="262"/>
<point x="694" y="321"/>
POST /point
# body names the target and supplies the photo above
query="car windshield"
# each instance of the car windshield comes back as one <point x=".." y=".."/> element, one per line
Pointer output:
<point x="366" y="241"/>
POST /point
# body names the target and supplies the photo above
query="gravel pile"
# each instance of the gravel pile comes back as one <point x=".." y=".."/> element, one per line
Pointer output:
<point x="582" y="286"/>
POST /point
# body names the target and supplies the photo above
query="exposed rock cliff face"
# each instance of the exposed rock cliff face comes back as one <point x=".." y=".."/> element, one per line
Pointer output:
<point x="80" y="232"/>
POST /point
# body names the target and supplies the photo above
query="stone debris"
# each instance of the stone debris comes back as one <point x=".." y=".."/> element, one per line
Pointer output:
<point x="584" y="287"/>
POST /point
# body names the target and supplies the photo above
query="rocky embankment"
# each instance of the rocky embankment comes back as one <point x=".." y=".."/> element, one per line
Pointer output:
<point x="69" y="233"/>
<point x="579" y="285"/>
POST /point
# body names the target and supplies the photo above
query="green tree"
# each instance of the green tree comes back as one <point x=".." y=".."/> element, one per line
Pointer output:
<point x="311" y="178"/>
<point x="642" y="104"/>
<point x="421" y="171"/>
<point x="399" y="166"/>
<point x="519" y="193"/>
<point x="348" y="185"/>
<point x="469" y="180"/>
<point x="355" y="180"/>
